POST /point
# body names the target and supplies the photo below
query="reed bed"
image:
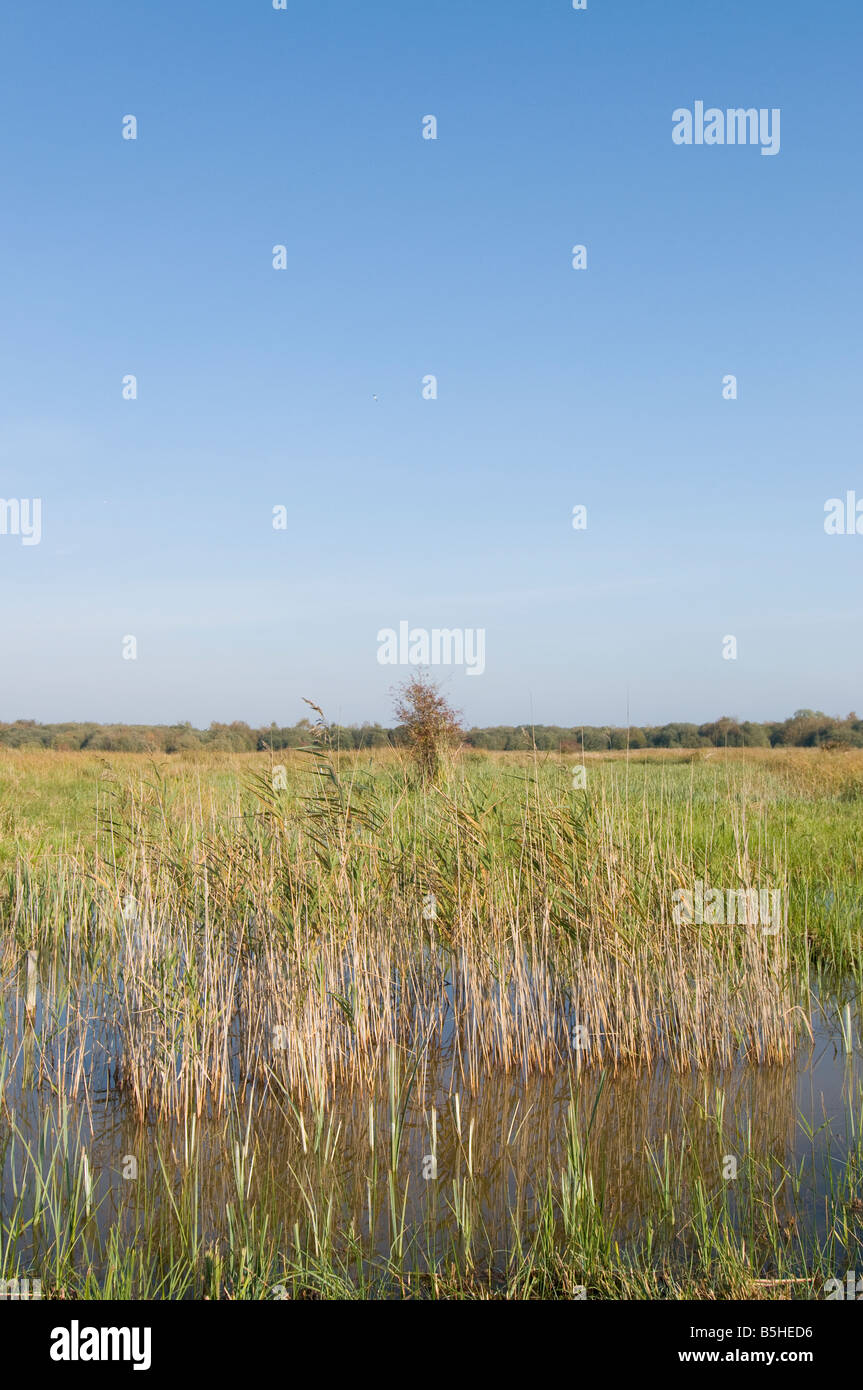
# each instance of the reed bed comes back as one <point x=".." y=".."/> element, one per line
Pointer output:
<point x="363" y="1036"/>
<point x="196" y="948"/>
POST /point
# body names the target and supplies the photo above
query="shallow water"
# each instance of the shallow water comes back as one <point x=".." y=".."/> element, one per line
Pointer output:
<point x="640" y="1153"/>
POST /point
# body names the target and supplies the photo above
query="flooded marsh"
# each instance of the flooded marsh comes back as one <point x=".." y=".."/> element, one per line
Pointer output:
<point x="340" y="1034"/>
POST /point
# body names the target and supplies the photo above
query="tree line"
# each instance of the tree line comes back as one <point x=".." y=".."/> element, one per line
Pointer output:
<point x="804" y="729"/>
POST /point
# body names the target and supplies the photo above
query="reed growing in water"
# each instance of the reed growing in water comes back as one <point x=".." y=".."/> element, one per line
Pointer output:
<point x="220" y="933"/>
<point x="364" y="1031"/>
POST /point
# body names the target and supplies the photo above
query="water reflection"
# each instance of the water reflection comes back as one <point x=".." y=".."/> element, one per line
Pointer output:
<point x="649" y="1158"/>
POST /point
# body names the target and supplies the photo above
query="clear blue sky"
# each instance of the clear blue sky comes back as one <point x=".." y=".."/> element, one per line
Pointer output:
<point x="407" y="257"/>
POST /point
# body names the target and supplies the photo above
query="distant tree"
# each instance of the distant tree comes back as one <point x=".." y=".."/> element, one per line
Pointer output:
<point x="755" y="735"/>
<point x="371" y="736"/>
<point x="594" y="741"/>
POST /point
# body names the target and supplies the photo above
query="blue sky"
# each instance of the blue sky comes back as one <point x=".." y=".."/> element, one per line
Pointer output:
<point x="406" y="257"/>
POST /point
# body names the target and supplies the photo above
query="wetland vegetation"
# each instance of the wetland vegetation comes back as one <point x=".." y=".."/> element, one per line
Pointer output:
<point x="309" y="1025"/>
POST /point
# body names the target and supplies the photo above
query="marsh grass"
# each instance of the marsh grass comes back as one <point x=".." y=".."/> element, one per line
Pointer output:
<point x="215" y="956"/>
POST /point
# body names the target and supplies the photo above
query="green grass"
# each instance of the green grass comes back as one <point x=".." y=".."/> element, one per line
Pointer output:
<point x="240" y="986"/>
